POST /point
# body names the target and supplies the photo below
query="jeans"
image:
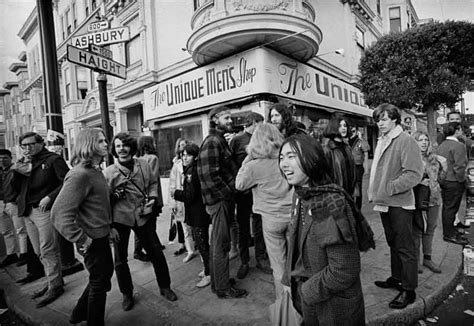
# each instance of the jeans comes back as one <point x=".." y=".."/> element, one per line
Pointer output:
<point x="13" y="229"/>
<point x="151" y="244"/>
<point x="276" y="240"/>
<point x="243" y="203"/>
<point x="43" y="238"/>
<point x="201" y="240"/>
<point x="99" y="264"/>
<point x="398" y="227"/>
<point x="426" y="239"/>
<point x="221" y="215"/>
<point x="451" y="192"/>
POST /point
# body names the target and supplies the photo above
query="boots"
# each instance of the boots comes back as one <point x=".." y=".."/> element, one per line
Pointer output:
<point x="189" y="244"/>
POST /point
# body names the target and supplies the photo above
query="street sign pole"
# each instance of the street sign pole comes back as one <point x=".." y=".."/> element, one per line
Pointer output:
<point x="104" y="111"/>
<point x="54" y="118"/>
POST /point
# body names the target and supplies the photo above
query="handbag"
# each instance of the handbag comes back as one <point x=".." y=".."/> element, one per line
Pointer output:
<point x="146" y="211"/>
<point x="282" y="311"/>
<point x="173" y="228"/>
<point x="422" y="196"/>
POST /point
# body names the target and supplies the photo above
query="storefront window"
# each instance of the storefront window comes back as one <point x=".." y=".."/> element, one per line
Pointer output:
<point x="166" y="140"/>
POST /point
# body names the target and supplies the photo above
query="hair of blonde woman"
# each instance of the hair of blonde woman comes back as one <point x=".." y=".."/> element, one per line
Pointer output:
<point x="176" y="147"/>
<point x="430" y="153"/>
<point x="265" y="142"/>
<point x="86" y="146"/>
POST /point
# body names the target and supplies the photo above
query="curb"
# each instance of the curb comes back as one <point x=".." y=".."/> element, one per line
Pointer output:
<point x="423" y="305"/>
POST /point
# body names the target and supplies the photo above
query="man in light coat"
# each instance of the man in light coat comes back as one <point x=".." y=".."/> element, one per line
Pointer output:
<point x="397" y="167"/>
<point x="134" y="189"/>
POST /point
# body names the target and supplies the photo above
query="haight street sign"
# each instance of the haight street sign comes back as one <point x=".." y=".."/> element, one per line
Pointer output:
<point x="104" y="37"/>
<point x="96" y="62"/>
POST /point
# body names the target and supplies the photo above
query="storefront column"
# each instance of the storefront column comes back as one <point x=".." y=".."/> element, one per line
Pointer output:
<point x="120" y="120"/>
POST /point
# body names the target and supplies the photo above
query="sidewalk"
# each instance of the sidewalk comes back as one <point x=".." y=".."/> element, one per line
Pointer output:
<point x="201" y="307"/>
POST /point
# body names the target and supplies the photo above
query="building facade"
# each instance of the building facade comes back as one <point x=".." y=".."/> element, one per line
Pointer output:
<point x="185" y="57"/>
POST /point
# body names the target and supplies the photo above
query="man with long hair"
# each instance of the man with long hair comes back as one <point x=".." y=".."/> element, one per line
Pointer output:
<point x="81" y="213"/>
<point x="135" y="191"/>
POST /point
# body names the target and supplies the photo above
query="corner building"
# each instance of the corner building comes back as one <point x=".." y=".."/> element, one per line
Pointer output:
<point x="185" y="57"/>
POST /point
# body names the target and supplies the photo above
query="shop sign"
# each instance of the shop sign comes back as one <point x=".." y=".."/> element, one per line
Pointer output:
<point x="249" y="73"/>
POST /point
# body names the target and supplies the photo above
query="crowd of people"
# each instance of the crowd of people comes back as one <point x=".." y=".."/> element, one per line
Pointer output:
<point x="296" y="193"/>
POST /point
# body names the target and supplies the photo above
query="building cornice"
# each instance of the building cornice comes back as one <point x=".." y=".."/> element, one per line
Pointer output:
<point x="29" y="26"/>
<point x="10" y="85"/>
<point x="14" y="67"/>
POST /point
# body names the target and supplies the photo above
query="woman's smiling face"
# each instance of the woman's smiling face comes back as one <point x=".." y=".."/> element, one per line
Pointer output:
<point x="291" y="167"/>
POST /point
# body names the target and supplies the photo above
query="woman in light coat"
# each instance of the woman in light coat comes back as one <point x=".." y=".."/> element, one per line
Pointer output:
<point x="185" y="238"/>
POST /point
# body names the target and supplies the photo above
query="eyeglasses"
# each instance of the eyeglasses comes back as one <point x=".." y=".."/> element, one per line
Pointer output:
<point x="29" y="145"/>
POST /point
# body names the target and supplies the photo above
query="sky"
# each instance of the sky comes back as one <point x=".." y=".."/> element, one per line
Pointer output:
<point x="13" y="14"/>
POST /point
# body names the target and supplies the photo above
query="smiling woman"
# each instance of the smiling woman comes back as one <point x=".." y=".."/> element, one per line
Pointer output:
<point x="322" y="240"/>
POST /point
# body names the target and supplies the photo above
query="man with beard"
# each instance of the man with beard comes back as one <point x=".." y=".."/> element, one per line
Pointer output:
<point x="134" y="189"/>
<point x="216" y="171"/>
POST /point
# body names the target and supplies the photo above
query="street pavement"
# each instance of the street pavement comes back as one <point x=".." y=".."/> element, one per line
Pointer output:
<point x="197" y="306"/>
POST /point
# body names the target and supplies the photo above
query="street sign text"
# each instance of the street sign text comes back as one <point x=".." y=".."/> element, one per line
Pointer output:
<point x="98" y="26"/>
<point x="96" y="62"/>
<point x="108" y="36"/>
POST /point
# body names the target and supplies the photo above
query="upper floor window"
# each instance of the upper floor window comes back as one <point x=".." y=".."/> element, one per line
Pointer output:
<point x="62" y="28"/>
<point x="379" y="10"/>
<point x="360" y="38"/>
<point x="68" y="22"/>
<point x="133" y="50"/>
<point x="82" y="76"/>
<point x="93" y="4"/>
<point x="199" y="3"/>
<point x="67" y="82"/>
<point x="395" y="19"/>
<point x="74" y="16"/>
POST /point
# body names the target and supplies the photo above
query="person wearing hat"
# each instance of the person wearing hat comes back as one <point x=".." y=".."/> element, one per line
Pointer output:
<point x="216" y="170"/>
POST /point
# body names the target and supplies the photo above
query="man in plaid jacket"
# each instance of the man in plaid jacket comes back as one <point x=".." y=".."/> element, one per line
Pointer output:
<point x="216" y="171"/>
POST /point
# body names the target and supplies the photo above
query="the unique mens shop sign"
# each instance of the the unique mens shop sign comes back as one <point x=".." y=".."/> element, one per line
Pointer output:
<point x="249" y="73"/>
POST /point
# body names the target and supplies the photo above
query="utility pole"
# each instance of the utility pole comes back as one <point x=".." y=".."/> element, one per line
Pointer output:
<point x="104" y="111"/>
<point x="54" y="118"/>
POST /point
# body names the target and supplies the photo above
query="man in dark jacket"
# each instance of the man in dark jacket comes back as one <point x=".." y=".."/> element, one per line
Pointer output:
<point x="40" y="174"/>
<point x="454" y="185"/>
<point x="244" y="202"/>
<point x="217" y="171"/>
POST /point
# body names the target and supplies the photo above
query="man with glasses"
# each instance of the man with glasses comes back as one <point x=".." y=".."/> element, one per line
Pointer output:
<point x="40" y="174"/>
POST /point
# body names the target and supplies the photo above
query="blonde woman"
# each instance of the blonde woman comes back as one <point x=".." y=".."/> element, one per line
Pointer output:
<point x="271" y="194"/>
<point x="433" y="165"/>
<point x="185" y="239"/>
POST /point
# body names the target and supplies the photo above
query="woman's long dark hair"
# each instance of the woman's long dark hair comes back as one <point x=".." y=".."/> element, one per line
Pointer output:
<point x="146" y="145"/>
<point x="313" y="162"/>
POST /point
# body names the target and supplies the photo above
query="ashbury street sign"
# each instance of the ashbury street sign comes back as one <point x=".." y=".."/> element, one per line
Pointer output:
<point x="103" y="37"/>
<point x="253" y="72"/>
<point x="96" y="62"/>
